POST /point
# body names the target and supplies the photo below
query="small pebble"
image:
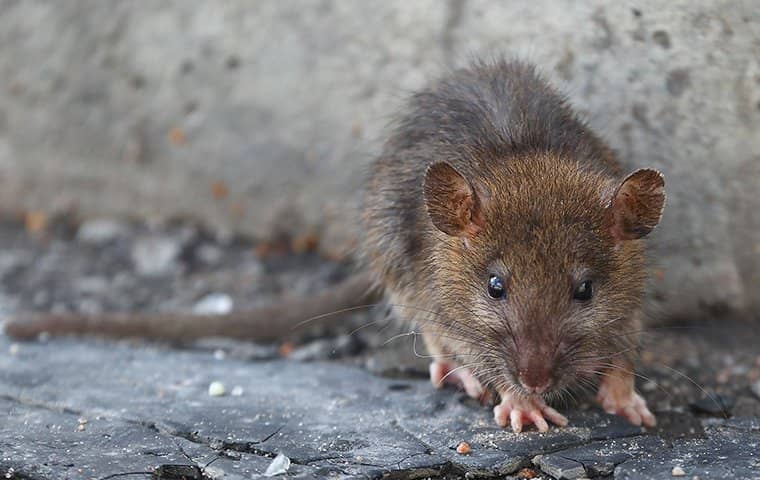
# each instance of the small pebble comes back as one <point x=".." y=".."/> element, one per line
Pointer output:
<point x="463" y="448"/>
<point x="156" y="256"/>
<point x="237" y="391"/>
<point x="214" y="304"/>
<point x="279" y="465"/>
<point x="14" y="349"/>
<point x="526" y="473"/>
<point x="677" y="472"/>
<point x="101" y="231"/>
<point x="285" y="349"/>
<point x="649" y="386"/>
<point x="216" y="389"/>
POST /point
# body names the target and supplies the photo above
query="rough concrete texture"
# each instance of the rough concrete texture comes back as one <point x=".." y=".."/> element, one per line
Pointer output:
<point x="85" y="410"/>
<point x="259" y="116"/>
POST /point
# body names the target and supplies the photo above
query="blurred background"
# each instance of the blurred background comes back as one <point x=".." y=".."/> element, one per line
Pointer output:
<point x="258" y="118"/>
<point x="205" y="156"/>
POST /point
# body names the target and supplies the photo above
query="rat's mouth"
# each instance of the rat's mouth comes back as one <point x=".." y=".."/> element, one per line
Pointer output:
<point x="538" y="391"/>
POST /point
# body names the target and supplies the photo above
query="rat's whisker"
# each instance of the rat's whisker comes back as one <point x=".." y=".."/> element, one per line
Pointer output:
<point x="708" y="394"/>
<point x="336" y="312"/>
<point x="456" y="369"/>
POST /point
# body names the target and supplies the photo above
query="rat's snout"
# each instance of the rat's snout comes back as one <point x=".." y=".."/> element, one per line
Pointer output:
<point x="535" y="373"/>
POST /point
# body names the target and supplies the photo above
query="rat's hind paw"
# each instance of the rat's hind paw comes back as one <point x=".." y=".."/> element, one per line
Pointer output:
<point x="521" y="411"/>
<point x="628" y="404"/>
<point x="446" y="372"/>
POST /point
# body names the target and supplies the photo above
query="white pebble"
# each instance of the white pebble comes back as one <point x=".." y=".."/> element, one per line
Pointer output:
<point x="237" y="391"/>
<point x="216" y="389"/>
<point x="14" y="349"/>
<point x="101" y="231"/>
<point x="156" y="256"/>
<point x="677" y="472"/>
<point x="279" y="465"/>
<point x="213" y="304"/>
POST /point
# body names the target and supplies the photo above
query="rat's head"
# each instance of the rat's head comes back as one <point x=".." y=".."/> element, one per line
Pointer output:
<point x="538" y="265"/>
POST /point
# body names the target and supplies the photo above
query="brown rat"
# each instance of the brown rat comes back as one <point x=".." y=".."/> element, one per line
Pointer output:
<point x="497" y="222"/>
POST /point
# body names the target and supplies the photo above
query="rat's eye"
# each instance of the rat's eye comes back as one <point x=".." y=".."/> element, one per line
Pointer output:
<point x="583" y="291"/>
<point x="496" y="287"/>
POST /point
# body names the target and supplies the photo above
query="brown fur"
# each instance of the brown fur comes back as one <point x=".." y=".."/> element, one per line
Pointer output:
<point x="505" y="149"/>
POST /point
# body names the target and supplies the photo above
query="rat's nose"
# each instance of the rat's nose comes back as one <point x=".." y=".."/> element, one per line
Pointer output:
<point x="535" y="377"/>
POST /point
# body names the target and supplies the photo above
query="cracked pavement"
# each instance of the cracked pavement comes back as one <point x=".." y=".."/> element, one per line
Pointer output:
<point x="339" y="406"/>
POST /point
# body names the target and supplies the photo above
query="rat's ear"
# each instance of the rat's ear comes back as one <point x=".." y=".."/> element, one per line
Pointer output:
<point x="636" y="206"/>
<point x="452" y="203"/>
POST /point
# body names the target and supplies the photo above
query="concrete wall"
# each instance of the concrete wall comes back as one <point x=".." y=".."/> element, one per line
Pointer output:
<point x="258" y="116"/>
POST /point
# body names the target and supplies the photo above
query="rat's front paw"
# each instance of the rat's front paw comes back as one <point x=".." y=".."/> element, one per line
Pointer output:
<point x="521" y="411"/>
<point x="442" y="372"/>
<point x="626" y="403"/>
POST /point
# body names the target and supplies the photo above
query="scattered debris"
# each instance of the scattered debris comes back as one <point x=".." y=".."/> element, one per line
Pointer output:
<point x="155" y="256"/>
<point x="285" y="349"/>
<point x="527" y="473"/>
<point x="101" y="231"/>
<point x="649" y="386"/>
<point x="81" y="422"/>
<point x="177" y="136"/>
<point x="305" y="243"/>
<point x="279" y="465"/>
<point x="463" y="448"/>
<point x="35" y="222"/>
<point x="219" y="190"/>
<point x="217" y="389"/>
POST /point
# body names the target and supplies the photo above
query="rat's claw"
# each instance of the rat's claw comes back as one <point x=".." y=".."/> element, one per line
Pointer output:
<point x="515" y="418"/>
<point x="626" y="403"/>
<point x="554" y="416"/>
<point x="446" y="372"/>
<point x="520" y="411"/>
<point x="538" y="421"/>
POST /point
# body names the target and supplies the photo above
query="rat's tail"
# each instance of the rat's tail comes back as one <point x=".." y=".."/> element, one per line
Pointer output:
<point x="268" y="323"/>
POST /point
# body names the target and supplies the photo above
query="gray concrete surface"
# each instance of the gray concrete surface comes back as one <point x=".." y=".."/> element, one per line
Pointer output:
<point x="143" y="107"/>
<point x="78" y="410"/>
